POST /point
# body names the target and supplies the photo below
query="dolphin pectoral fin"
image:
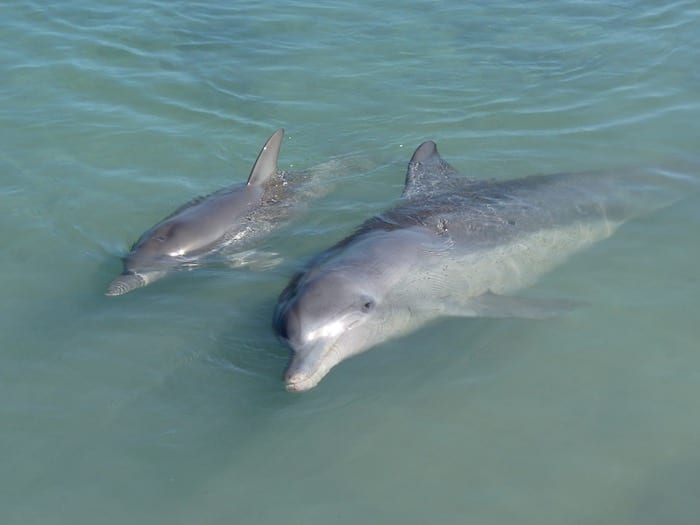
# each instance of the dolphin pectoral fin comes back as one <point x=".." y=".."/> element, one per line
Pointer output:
<point x="492" y="305"/>
<point x="266" y="164"/>
<point x="253" y="259"/>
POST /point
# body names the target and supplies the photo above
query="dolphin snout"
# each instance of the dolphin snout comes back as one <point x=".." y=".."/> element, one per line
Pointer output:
<point x="301" y="380"/>
<point x="296" y="382"/>
<point x="309" y="364"/>
<point x="125" y="283"/>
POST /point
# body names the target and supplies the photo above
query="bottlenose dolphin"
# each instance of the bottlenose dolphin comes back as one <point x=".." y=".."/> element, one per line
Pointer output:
<point x="230" y="218"/>
<point x="453" y="246"/>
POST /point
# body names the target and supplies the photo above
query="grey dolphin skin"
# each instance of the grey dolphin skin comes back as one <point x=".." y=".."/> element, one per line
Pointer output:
<point x="453" y="246"/>
<point x="230" y="217"/>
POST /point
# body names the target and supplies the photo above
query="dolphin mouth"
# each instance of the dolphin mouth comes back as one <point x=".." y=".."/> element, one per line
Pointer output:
<point x="125" y="283"/>
<point x="301" y="385"/>
<point x="303" y="380"/>
<point x="304" y="374"/>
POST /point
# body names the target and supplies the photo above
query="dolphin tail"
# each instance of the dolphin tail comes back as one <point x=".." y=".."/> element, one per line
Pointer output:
<point x="125" y="283"/>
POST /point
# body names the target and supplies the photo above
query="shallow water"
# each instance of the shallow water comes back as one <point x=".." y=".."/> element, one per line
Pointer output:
<point x="167" y="406"/>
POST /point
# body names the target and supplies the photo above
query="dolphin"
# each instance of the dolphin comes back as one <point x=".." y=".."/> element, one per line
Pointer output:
<point x="452" y="246"/>
<point x="229" y="218"/>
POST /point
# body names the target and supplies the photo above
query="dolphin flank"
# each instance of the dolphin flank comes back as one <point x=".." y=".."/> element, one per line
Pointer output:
<point x="453" y="246"/>
<point x="231" y="218"/>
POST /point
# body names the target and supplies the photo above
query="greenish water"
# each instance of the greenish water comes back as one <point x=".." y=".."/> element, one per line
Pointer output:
<point x="167" y="405"/>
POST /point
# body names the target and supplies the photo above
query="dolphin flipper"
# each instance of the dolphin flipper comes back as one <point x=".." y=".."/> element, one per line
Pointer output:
<point x="499" y="306"/>
<point x="266" y="164"/>
<point x="254" y="259"/>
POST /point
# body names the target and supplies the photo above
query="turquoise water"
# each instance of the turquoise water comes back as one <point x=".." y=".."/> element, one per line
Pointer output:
<point x="167" y="405"/>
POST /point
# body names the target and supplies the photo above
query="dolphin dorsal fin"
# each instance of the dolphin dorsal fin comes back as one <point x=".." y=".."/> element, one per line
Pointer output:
<point x="426" y="152"/>
<point x="266" y="164"/>
<point x="427" y="172"/>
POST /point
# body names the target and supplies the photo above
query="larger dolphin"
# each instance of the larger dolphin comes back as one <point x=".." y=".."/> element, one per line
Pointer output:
<point x="453" y="246"/>
<point x="230" y="218"/>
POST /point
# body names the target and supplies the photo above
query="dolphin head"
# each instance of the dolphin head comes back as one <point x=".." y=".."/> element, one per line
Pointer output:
<point x="346" y="302"/>
<point x="171" y="240"/>
<point x="159" y="250"/>
<point x="180" y="240"/>
<point x="324" y="320"/>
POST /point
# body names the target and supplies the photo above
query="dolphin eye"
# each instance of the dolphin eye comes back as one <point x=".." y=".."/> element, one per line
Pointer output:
<point x="367" y="306"/>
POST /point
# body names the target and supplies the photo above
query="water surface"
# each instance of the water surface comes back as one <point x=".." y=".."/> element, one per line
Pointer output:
<point x="167" y="406"/>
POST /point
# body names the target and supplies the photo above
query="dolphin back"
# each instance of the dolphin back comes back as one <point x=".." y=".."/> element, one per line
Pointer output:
<point x="437" y="196"/>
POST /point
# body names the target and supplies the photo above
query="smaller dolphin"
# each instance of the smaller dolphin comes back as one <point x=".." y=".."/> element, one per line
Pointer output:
<point x="231" y="217"/>
<point x="453" y="246"/>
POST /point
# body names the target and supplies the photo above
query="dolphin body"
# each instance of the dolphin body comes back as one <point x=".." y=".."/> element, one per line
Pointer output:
<point x="230" y="218"/>
<point x="453" y="246"/>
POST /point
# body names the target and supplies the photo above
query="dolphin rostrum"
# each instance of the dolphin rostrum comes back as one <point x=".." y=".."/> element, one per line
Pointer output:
<point x="453" y="246"/>
<point x="229" y="218"/>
